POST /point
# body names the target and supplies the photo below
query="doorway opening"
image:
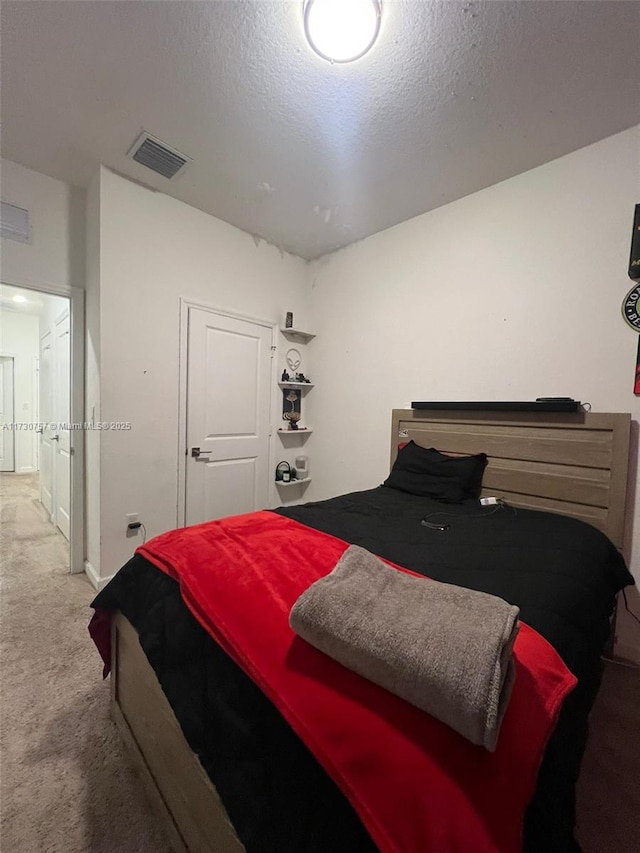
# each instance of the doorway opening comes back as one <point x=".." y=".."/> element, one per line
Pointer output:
<point x="36" y="444"/>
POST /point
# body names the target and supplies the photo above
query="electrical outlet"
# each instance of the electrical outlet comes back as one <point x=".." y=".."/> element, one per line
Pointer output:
<point x="131" y="517"/>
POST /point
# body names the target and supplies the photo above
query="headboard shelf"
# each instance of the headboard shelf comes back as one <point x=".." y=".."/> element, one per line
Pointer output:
<point x="571" y="463"/>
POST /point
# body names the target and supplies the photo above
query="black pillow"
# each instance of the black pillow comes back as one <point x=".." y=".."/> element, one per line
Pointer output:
<point x="431" y="474"/>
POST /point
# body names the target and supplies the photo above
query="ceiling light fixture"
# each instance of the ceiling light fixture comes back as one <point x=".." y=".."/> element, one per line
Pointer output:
<point x="342" y="30"/>
<point x="18" y="298"/>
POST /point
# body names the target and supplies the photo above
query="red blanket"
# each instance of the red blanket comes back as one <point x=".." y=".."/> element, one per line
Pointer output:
<point x="417" y="785"/>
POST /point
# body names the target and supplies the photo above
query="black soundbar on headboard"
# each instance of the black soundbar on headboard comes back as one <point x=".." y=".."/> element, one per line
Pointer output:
<point x="548" y="405"/>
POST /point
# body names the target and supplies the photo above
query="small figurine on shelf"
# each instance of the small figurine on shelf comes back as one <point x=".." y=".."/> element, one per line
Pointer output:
<point x="285" y="376"/>
<point x="300" y="377"/>
<point x="293" y="418"/>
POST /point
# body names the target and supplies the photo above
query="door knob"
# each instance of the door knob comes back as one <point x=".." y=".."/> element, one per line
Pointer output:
<point x="55" y="438"/>
<point x="196" y="452"/>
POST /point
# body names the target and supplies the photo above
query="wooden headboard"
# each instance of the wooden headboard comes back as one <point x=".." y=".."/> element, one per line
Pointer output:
<point x="573" y="464"/>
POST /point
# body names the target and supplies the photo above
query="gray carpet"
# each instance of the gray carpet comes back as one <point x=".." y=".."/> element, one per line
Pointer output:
<point x="67" y="785"/>
<point x="609" y="785"/>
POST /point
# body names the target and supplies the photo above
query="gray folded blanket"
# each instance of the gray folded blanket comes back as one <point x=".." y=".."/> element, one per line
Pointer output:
<point x="445" y="649"/>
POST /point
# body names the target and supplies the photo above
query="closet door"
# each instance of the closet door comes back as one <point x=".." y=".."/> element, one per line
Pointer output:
<point x="47" y="441"/>
<point x="228" y="413"/>
<point x="62" y="415"/>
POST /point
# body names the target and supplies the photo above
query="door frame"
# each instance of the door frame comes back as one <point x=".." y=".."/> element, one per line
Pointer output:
<point x="75" y="295"/>
<point x="12" y="432"/>
<point x="185" y="306"/>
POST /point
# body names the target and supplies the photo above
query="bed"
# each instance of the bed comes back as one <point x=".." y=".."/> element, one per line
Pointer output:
<point x="201" y="732"/>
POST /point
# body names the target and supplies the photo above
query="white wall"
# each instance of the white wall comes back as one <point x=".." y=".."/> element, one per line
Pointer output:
<point x="55" y="254"/>
<point x="19" y="337"/>
<point x="511" y="293"/>
<point x="92" y="382"/>
<point x="154" y="250"/>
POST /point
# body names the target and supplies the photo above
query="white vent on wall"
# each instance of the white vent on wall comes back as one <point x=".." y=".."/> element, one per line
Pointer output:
<point x="157" y="156"/>
<point x="14" y="223"/>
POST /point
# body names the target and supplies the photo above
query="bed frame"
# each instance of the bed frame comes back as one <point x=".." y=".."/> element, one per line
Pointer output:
<point x="570" y="463"/>
<point x="573" y="464"/>
<point x="176" y="784"/>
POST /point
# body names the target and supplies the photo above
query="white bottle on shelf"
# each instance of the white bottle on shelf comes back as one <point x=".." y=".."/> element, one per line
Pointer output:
<point x="302" y="467"/>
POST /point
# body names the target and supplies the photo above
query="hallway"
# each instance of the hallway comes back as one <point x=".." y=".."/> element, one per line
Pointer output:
<point x="28" y="534"/>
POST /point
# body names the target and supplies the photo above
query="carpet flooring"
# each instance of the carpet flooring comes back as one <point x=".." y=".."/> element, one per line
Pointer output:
<point x="67" y="785"/>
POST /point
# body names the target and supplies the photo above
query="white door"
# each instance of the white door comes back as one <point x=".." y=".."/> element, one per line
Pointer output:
<point x="228" y="412"/>
<point x="7" y="435"/>
<point x="46" y="454"/>
<point x="36" y="409"/>
<point x="62" y="414"/>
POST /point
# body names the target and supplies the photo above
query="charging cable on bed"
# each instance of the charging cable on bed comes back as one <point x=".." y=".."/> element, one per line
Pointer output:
<point x="442" y="526"/>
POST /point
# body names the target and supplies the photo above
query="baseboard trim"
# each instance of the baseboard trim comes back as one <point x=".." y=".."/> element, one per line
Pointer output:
<point x="625" y="653"/>
<point x="620" y="662"/>
<point x="97" y="582"/>
<point x="26" y="469"/>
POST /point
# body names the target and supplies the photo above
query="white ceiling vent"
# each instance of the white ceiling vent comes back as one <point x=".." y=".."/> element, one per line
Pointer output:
<point x="14" y="223"/>
<point x="157" y="156"/>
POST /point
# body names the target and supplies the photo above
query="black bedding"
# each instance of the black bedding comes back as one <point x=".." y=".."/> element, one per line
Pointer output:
<point x="563" y="575"/>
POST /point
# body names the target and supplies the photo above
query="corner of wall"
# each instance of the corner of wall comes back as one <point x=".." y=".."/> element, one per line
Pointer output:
<point x="92" y="375"/>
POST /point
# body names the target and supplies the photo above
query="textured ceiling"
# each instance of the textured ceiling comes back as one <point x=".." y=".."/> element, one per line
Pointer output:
<point x="454" y="97"/>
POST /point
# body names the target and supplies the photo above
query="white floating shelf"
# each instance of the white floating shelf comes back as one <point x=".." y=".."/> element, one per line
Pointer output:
<point x="295" y="384"/>
<point x="293" y="482"/>
<point x="297" y="335"/>
<point x="299" y="431"/>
